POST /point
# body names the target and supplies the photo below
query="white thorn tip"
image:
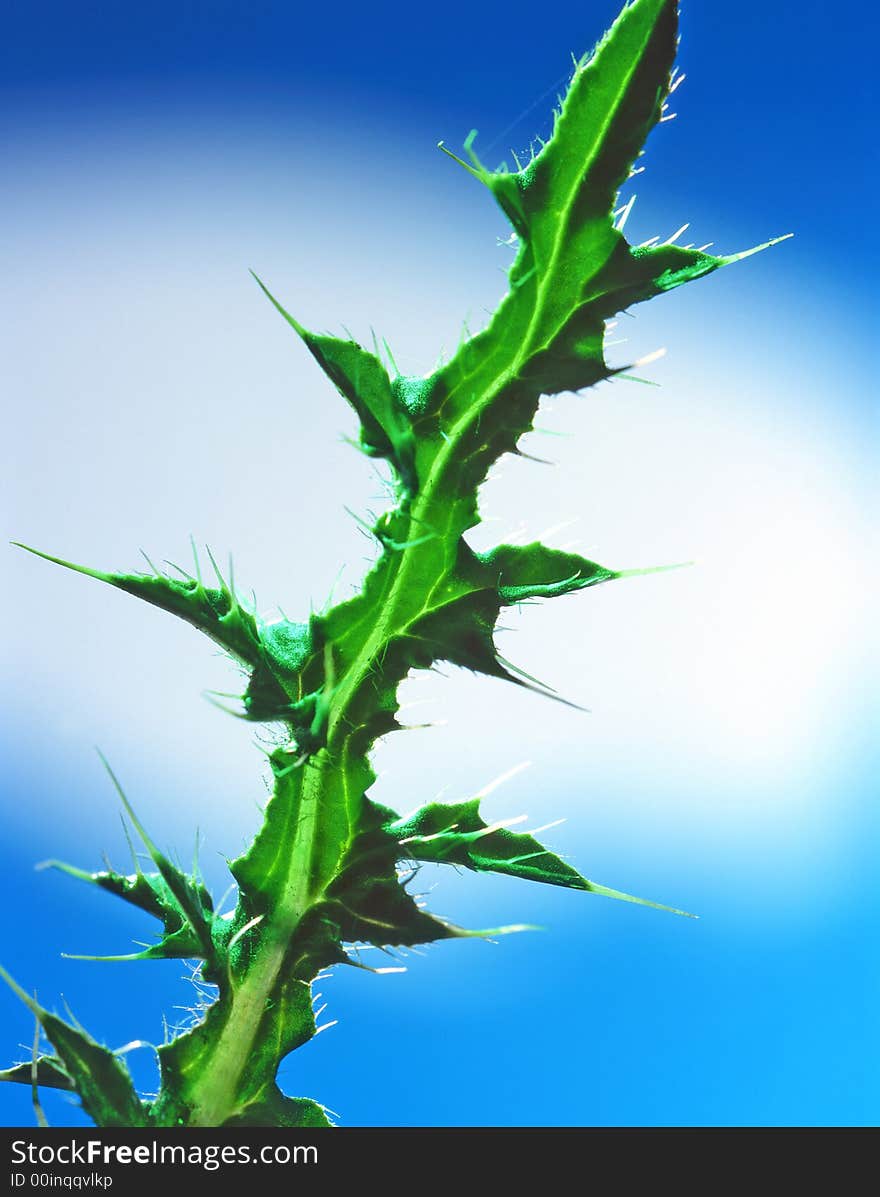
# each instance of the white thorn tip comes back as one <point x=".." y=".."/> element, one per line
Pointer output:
<point x="502" y="778"/>
<point x="545" y="827"/>
<point x="649" y="358"/>
<point x="675" y="236"/>
<point x="500" y="826"/>
<point x="624" y="214"/>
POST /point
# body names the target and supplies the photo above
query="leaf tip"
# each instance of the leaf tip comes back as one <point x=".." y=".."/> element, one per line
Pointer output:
<point x="756" y="249"/>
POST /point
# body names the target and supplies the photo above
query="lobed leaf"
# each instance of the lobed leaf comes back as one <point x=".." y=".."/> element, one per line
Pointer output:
<point x="216" y="611"/>
<point x="96" y="1073"/>
<point x="361" y="378"/>
<point x="534" y="571"/>
<point x="150" y="892"/>
<point x="50" y="1074"/>
<point x="276" y="1109"/>
<point x="457" y="834"/>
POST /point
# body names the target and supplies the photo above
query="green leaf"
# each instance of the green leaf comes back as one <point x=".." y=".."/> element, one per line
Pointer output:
<point x="613" y="102"/>
<point x="275" y="1109"/>
<point x="97" y="1074"/>
<point x="367" y="903"/>
<point x="534" y="571"/>
<point x="191" y="903"/>
<point x="278" y="651"/>
<point x="547" y="334"/>
<point x="360" y="377"/>
<point x="50" y="1074"/>
<point x="150" y="892"/>
<point x="457" y="834"/>
<point x="216" y="611"/>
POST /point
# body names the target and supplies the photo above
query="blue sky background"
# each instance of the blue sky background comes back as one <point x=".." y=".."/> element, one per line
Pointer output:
<point x="727" y="764"/>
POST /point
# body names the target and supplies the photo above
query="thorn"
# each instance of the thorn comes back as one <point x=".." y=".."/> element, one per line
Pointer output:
<point x="624" y="214"/>
<point x="124" y="959"/>
<point x="468" y="147"/>
<point x="80" y="569"/>
<point x="224" y="896"/>
<point x="132" y="853"/>
<point x="461" y="162"/>
<point x="243" y="931"/>
<point x="71" y="870"/>
<point x="196" y="563"/>
<point x="654" y="356"/>
<point x="544" y="827"/>
<point x="605" y="892"/>
<point x="182" y="572"/>
<point x="42" y="1120"/>
<point x="498" y="826"/>
<point x="208" y="695"/>
<point x="156" y="856"/>
<point x="530" y="457"/>
<point x="73" y="1018"/>
<point x="747" y="253"/>
<point x="135" y="1045"/>
<point x="623" y="377"/>
<point x="675" y="236"/>
<point x="535" y="685"/>
<point x="556" y="528"/>
<point x="502" y="778"/>
<point x="151" y="565"/>
<point x="653" y="569"/>
<point x="215" y="567"/>
<point x="390" y="356"/>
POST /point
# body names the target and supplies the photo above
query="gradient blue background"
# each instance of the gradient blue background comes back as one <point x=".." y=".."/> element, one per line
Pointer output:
<point x="153" y="154"/>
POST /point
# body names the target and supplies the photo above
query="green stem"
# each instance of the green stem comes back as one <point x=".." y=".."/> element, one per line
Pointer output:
<point x="218" y="1083"/>
<point x="215" y="1096"/>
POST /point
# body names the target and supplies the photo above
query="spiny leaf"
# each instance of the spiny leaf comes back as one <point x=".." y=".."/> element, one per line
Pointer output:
<point x="277" y="651"/>
<point x="613" y="102"/>
<point x="360" y="377"/>
<point x="457" y="834"/>
<point x="192" y="901"/>
<point x="151" y="892"/>
<point x="370" y="903"/>
<point x="215" y="611"/>
<point x="98" y="1076"/>
<point x="547" y="334"/>
<point x="50" y="1074"/>
<point x="534" y="571"/>
<point x="275" y="1109"/>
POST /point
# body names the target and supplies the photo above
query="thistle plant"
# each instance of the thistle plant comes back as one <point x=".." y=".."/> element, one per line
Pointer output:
<point x="331" y="866"/>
